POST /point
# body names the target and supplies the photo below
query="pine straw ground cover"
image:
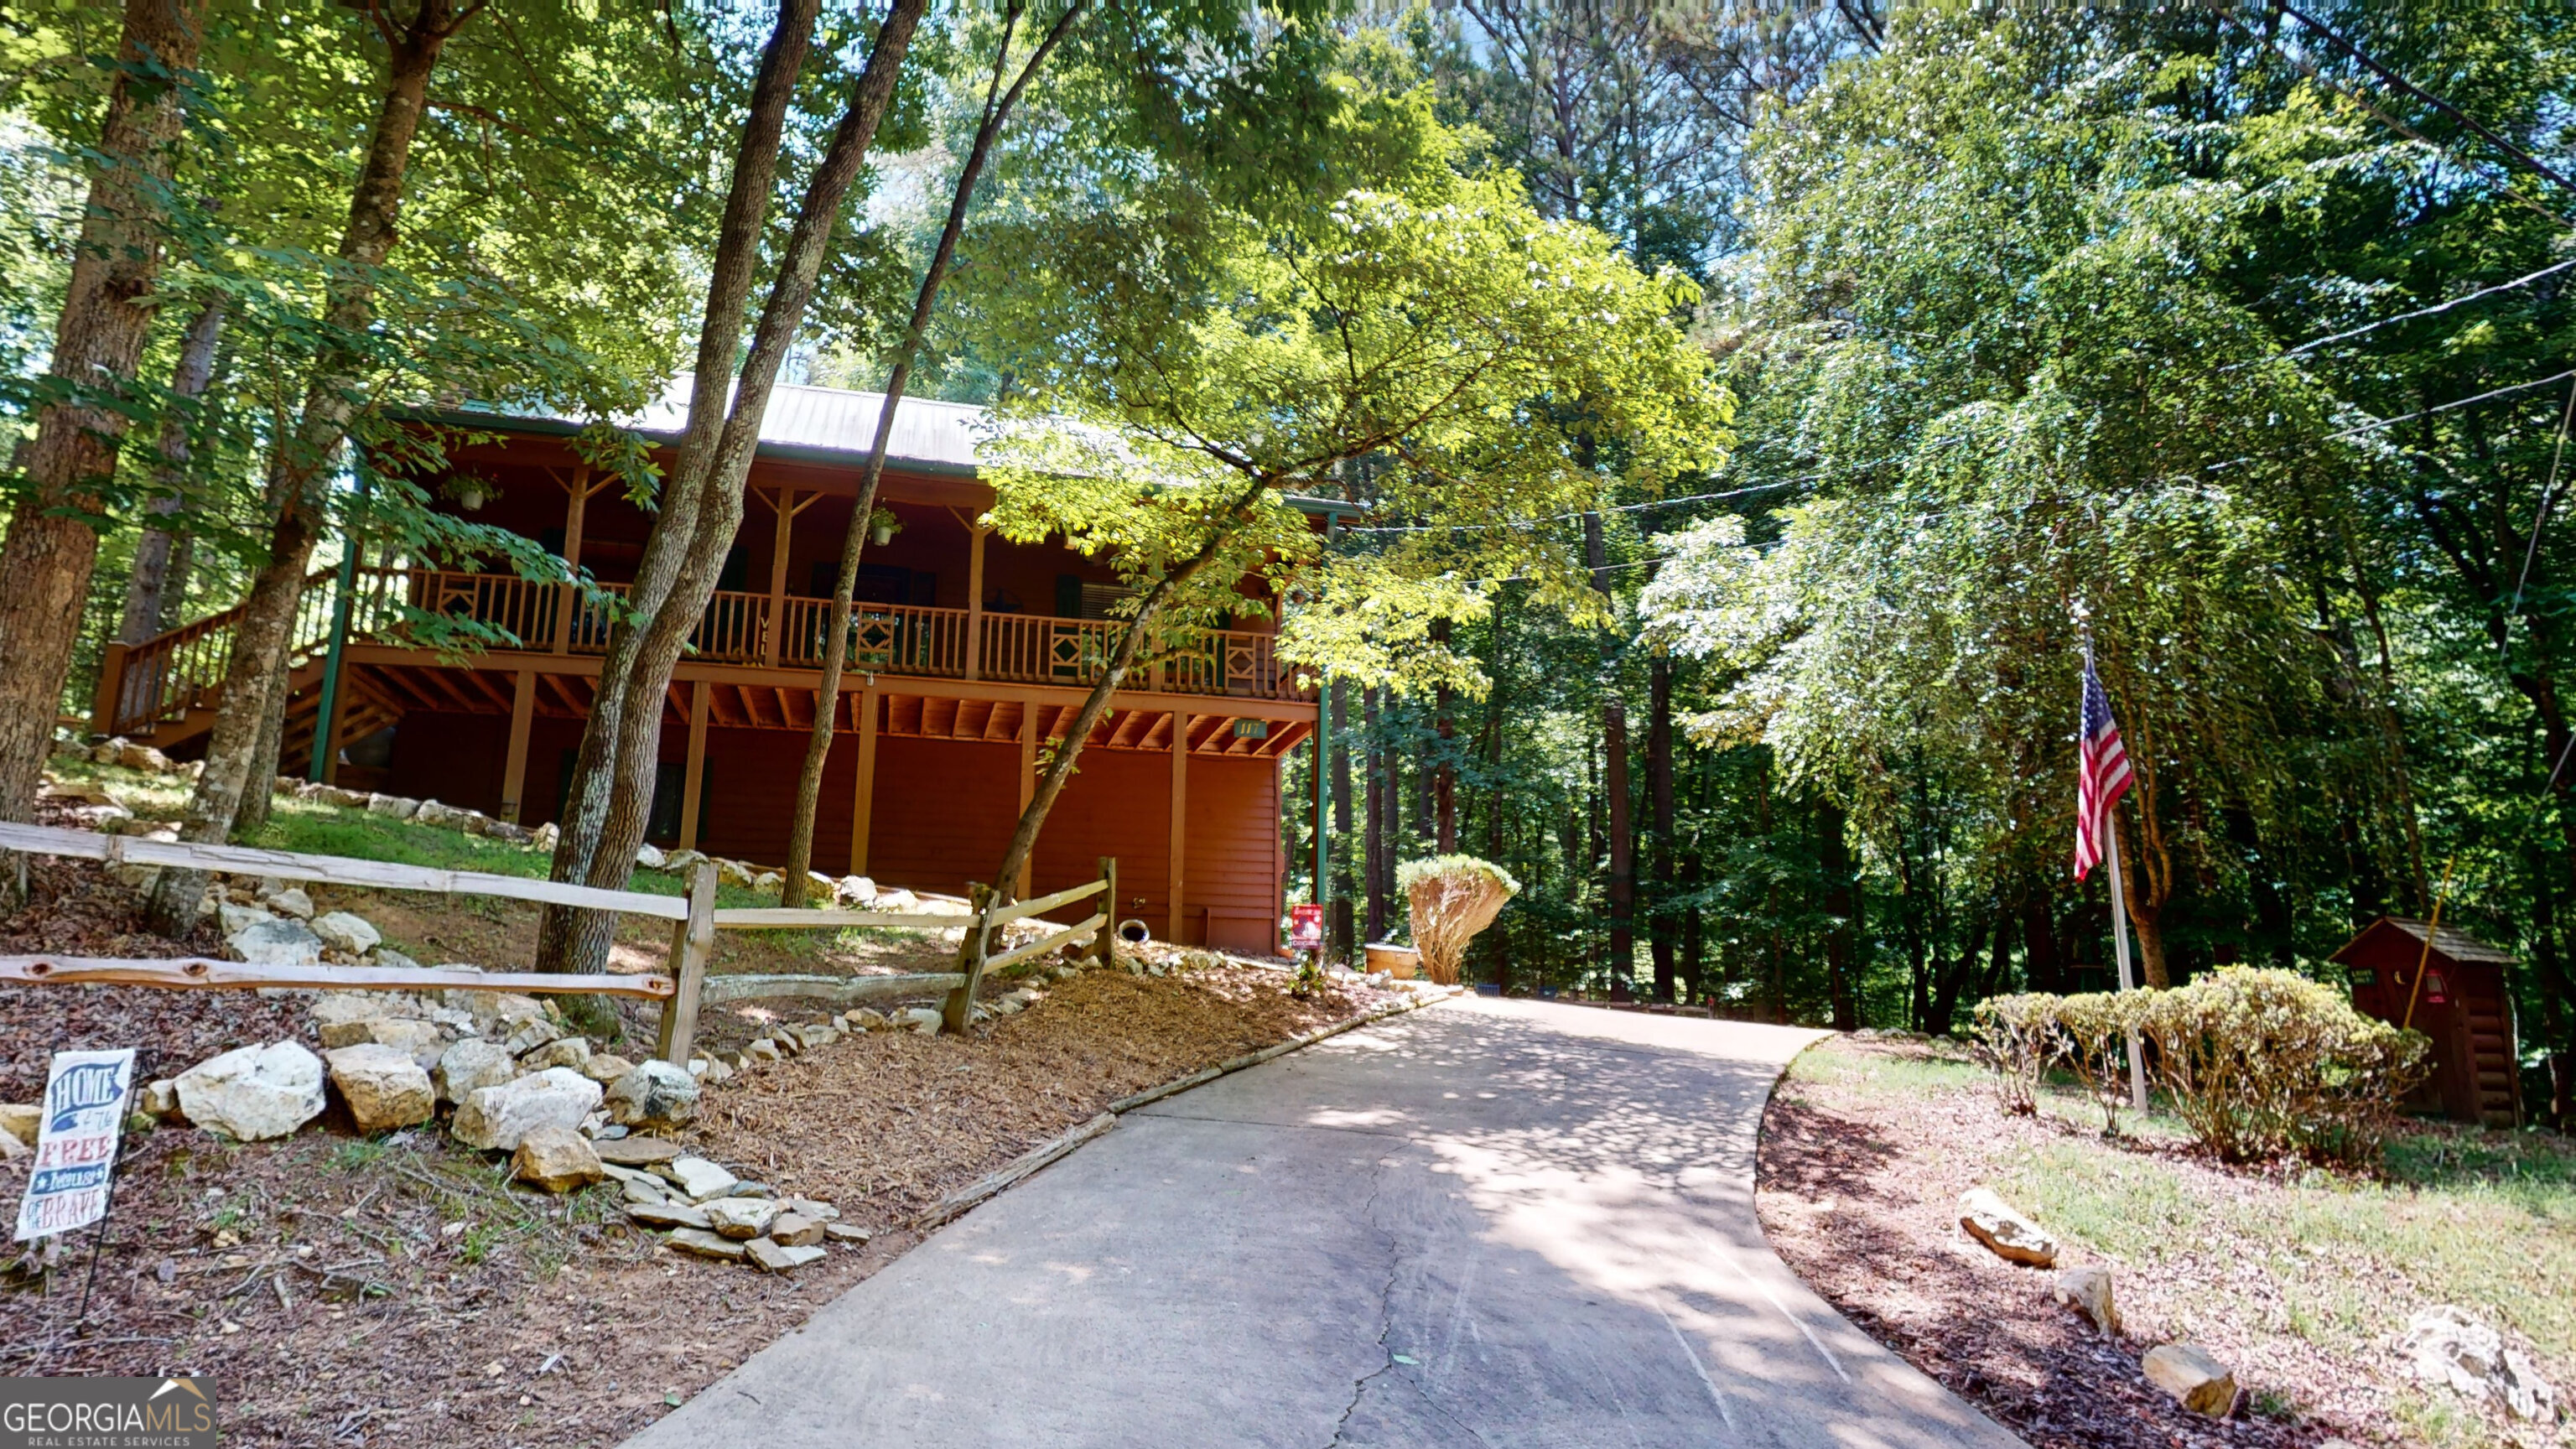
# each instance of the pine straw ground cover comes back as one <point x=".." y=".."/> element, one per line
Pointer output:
<point x="2299" y="1280"/>
<point x="345" y="1291"/>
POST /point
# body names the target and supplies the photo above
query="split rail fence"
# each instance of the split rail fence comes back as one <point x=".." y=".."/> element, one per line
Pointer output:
<point x="695" y="920"/>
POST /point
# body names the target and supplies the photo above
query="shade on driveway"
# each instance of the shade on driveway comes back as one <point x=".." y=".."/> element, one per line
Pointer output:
<point x="1487" y="1223"/>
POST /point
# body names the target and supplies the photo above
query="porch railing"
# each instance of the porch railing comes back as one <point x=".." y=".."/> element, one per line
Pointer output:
<point x="163" y="678"/>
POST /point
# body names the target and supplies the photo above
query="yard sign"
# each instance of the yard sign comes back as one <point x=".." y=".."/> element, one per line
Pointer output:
<point x="1305" y="928"/>
<point x="85" y="1101"/>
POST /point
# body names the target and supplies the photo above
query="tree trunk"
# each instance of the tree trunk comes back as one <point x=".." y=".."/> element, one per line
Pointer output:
<point x="261" y="790"/>
<point x="108" y="307"/>
<point x="1149" y="605"/>
<point x="265" y="632"/>
<point x="1659" y="794"/>
<point x="1842" y="908"/>
<point x="146" y="596"/>
<point x="1614" y="785"/>
<point x="2042" y="968"/>
<point x="1444" y="775"/>
<point x="2145" y="912"/>
<point x="1344" y="948"/>
<point x="1375" y="804"/>
<point x="611" y="791"/>
<point x="998" y="104"/>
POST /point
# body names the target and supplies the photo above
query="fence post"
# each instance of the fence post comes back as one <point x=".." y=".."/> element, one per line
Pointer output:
<point x="960" y="1008"/>
<point x="1104" y="947"/>
<point x="692" y="942"/>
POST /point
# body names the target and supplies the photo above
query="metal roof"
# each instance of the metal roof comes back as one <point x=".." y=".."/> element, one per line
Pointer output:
<point x="2458" y="945"/>
<point x="829" y="420"/>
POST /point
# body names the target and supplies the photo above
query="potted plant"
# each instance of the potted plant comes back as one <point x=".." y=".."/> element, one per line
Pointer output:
<point x="883" y="526"/>
<point x="1452" y="897"/>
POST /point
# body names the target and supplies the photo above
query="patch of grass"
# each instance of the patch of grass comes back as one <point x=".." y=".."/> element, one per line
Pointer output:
<point x="1936" y="1070"/>
<point x="2349" y="1257"/>
<point x="356" y="1155"/>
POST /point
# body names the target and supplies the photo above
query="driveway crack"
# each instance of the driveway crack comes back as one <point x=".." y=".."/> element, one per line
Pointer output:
<point x="1385" y="1309"/>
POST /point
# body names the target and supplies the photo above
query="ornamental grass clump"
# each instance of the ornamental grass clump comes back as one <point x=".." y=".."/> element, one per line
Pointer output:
<point x="1453" y="897"/>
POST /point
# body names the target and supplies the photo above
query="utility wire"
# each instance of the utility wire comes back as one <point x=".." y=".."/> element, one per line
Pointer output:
<point x="2307" y="347"/>
<point x="2548" y="496"/>
<point x="2371" y="64"/>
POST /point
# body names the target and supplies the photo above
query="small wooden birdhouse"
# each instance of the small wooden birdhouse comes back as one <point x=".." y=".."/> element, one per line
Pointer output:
<point x="2455" y="994"/>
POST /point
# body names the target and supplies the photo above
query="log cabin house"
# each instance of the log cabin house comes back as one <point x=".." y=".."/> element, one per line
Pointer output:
<point x="966" y="652"/>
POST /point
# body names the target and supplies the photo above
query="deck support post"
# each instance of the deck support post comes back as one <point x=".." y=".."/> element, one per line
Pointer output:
<point x="864" y="794"/>
<point x="514" y="770"/>
<point x="785" y="508"/>
<point x="576" y="512"/>
<point x="1028" y="790"/>
<point x="1180" y="818"/>
<point x="975" y="600"/>
<point x="693" y="787"/>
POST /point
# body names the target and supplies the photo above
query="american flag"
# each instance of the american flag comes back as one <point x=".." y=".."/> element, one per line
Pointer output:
<point x="2101" y="774"/>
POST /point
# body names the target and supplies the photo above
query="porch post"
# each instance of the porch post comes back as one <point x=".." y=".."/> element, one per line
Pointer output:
<point x="693" y="787"/>
<point x="575" y="512"/>
<point x="864" y="795"/>
<point x="1180" y="818"/>
<point x="975" y="601"/>
<point x="1028" y="789"/>
<point x="514" y="773"/>
<point x="785" y="506"/>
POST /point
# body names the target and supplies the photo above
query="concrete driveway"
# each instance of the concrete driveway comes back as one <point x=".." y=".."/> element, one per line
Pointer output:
<point x="1485" y="1223"/>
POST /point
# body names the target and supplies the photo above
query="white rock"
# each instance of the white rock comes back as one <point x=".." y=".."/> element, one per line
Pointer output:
<point x="251" y="1093"/>
<point x="393" y="960"/>
<point x="735" y="873"/>
<point x="772" y="1257"/>
<point x="383" y="1086"/>
<point x="2196" y="1381"/>
<point x="232" y="920"/>
<point x="654" y="1095"/>
<point x="445" y="817"/>
<point x="768" y="880"/>
<point x="698" y="1177"/>
<point x="1995" y="1223"/>
<point x="2088" y="1291"/>
<point x="292" y="901"/>
<point x="471" y="1065"/>
<point x="498" y="1117"/>
<point x="919" y="1018"/>
<point x="556" y="1160"/>
<point x="343" y="931"/>
<point x="650" y="857"/>
<point x="2450" y="1346"/>
<point x="569" y="1051"/>
<point x="392" y="807"/>
<point x="739" y="1217"/>
<point x="855" y="890"/>
<point x="276" y="943"/>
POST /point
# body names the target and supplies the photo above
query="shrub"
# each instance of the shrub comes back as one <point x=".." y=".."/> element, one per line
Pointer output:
<point x="2265" y="1062"/>
<point x="2097" y="1026"/>
<point x="2018" y="1040"/>
<point x="1452" y="898"/>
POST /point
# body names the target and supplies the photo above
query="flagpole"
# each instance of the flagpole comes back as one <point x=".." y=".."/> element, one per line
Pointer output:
<point x="2120" y="944"/>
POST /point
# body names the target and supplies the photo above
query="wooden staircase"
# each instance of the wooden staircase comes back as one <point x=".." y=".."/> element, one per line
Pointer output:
<point x="167" y="690"/>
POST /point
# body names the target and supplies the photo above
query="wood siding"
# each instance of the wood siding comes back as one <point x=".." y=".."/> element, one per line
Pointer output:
<point x="943" y="812"/>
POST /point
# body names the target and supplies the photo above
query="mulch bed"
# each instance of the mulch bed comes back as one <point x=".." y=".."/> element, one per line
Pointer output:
<point x="400" y="1291"/>
<point x="1859" y="1194"/>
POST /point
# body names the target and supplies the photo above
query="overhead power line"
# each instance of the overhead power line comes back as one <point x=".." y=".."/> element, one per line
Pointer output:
<point x="2370" y="63"/>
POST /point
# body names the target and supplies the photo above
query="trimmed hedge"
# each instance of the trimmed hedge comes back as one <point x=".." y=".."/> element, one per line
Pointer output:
<point x="2259" y="1063"/>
